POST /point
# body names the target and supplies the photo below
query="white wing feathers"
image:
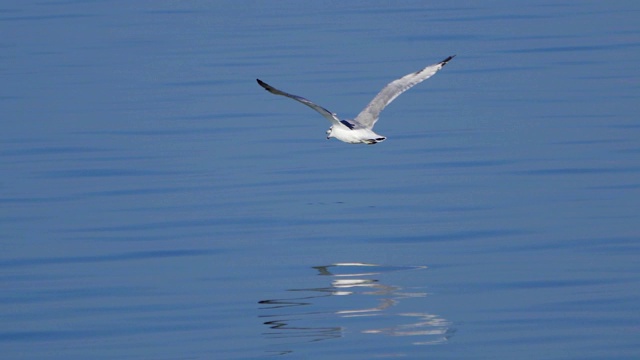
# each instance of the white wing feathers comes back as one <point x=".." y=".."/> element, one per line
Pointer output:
<point x="368" y="117"/>
<point x="324" y="112"/>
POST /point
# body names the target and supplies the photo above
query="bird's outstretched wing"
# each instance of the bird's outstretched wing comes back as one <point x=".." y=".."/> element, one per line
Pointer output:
<point x="370" y="114"/>
<point x="324" y="112"/>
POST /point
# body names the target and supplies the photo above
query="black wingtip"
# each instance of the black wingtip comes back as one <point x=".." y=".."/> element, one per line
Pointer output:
<point x="445" y="61"/>
<point x="263" y="84"/>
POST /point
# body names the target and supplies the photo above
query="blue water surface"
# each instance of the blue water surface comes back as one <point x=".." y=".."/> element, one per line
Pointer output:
<point x="156" y="203"/>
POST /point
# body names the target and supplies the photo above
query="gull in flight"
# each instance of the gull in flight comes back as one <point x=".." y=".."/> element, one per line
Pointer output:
<point x="360" y="129"/>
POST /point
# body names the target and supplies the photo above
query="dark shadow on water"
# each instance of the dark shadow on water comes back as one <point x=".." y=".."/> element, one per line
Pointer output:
<point x="355" y="302"/>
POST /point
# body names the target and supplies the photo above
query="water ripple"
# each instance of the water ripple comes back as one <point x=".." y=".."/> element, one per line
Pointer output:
<point x="138" y="255"/>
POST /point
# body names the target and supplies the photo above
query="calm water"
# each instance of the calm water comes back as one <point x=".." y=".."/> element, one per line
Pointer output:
<point x="156" y="203"/>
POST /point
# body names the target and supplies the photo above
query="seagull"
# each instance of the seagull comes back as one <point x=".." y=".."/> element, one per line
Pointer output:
<point x="360" y="129"/>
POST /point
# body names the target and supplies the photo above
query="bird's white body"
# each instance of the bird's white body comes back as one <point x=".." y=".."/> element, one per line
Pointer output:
<point x="360" y="129"/>
<point x="355" y="136"/>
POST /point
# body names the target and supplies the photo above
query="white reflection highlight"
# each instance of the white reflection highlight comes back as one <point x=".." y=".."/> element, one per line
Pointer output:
<point x="315" y="317"/>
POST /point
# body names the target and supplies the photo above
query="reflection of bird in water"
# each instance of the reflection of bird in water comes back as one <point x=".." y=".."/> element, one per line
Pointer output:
<point x="281" y="328"/>
<point x="318" y="319"/>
